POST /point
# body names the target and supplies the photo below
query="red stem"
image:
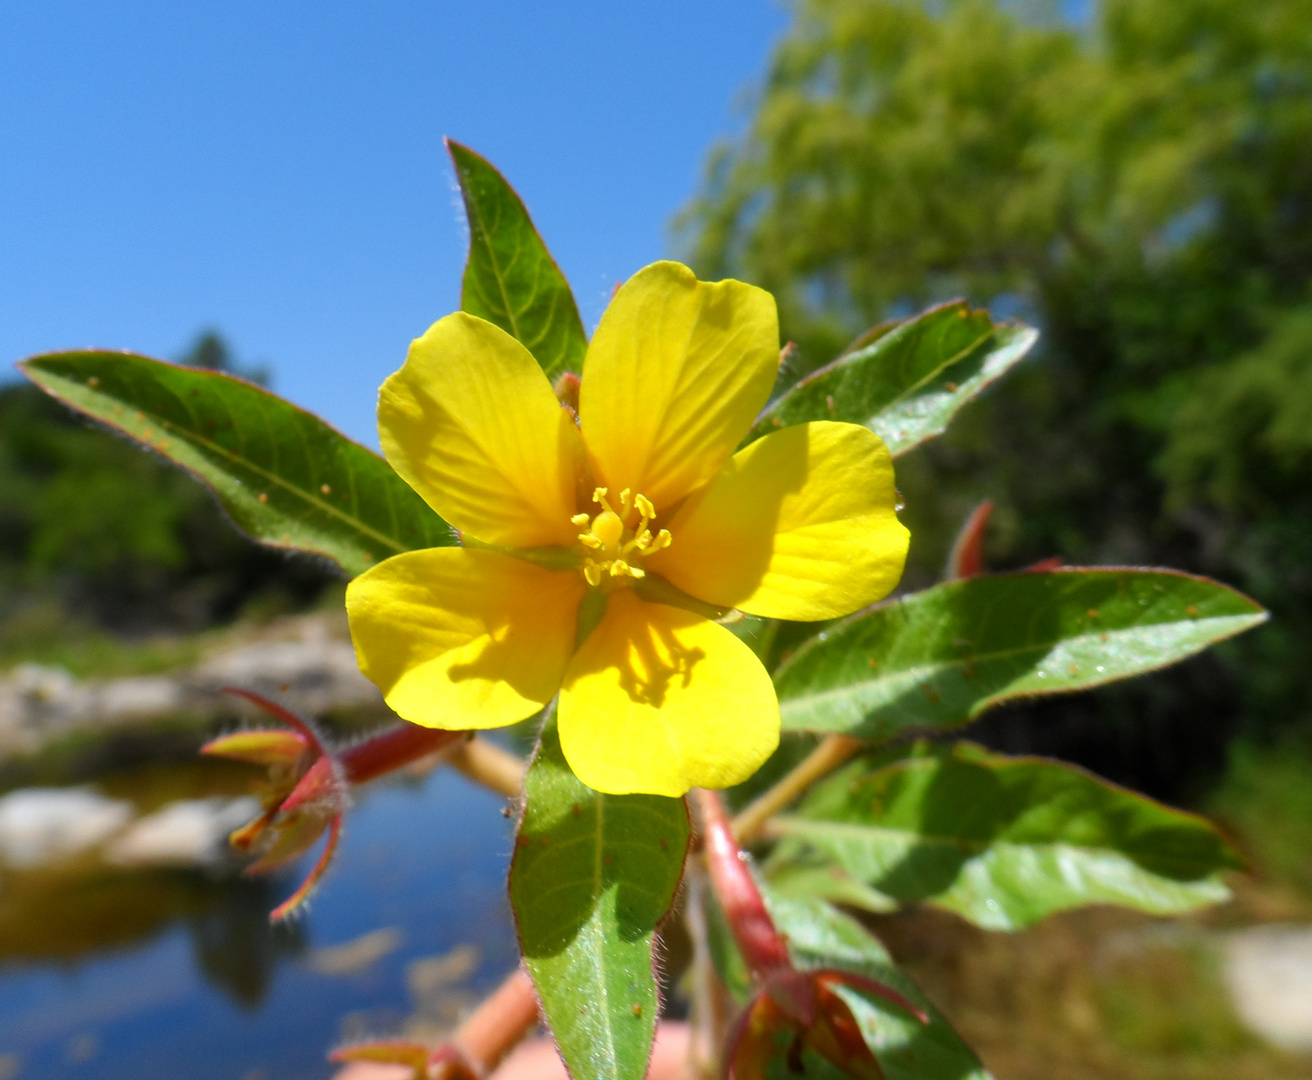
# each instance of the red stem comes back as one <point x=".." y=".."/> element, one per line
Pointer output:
<point x="967" y="557"/>
<point x="393" y="749"/>
<point x="492" y="1030"/>
<point x="753" y="929"/>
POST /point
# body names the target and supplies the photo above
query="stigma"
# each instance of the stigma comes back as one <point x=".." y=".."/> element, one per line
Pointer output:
<point x="614" y="550"/>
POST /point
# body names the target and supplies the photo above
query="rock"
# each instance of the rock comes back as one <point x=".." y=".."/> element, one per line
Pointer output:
<point x="431" y="975"/>
<point x="353" y="957"/>
<point x="39" y="825"/>
<point x="119" y="700"/>
<point x="440" y="993"/>
<point x="318" y="672"/>
<point x="190" y="832"/>
<point x="1269" y="972"/>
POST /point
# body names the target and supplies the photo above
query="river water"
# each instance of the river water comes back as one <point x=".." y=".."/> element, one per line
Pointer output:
<point x="410" y="925"/>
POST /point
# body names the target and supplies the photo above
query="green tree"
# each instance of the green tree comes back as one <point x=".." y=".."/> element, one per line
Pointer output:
<point x="1141" y="187"/>
<point x="91" y="523"/>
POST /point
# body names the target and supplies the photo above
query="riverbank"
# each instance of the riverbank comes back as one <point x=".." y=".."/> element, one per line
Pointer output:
<point x="305" y="662"/>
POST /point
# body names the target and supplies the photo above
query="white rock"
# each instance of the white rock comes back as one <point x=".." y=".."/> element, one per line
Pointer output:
<point x="39" y="825"/>
<point x="1269" y="972"/>
<point x="190" y="832"/>
<point x="354" y="957"/>
<point x="133" y="699"/>
<point x="319" y="674"/>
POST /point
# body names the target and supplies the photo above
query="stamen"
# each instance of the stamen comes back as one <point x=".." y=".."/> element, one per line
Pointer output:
<point x="605" y="533"/>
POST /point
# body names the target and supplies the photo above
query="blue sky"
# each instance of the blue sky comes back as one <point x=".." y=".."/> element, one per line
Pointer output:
<point x="275" y="170"/>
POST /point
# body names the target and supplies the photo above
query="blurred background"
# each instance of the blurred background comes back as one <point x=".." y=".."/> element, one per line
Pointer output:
<point x="263" y="190"/>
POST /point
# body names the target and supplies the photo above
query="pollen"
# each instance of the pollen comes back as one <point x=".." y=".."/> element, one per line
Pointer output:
<point x="614" y="547"/>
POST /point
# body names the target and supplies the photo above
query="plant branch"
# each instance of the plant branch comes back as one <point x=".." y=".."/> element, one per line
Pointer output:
<point x="489" y="765"/>
<point x="736" y="890"/>
<point x="499" y="1023"/>
<point x="828" y="754"/>
<point x="393" y="749"/>
<point x="486" y="1036"/>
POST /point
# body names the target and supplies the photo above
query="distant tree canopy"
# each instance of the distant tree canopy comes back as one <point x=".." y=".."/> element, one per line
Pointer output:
<point x="1141" y="188"/>
<point x="114" y="533"/>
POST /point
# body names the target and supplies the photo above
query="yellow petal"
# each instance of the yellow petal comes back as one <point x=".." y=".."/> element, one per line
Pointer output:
<point x="659" y="700"/>
<point x="673" y="378"/>
<point x="457" y="639"/>
<point x="799" y="525"/>
<point x="471" y="423"/>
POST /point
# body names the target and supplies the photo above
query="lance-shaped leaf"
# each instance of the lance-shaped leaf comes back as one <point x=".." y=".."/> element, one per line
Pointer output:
<point x="821" y="937"/>
<point x="285" y="476"/>
<point x="1005" y="842"/>
<point x="511" y="279"/>
<point x="942" y="656"/>
<point x="909" y="382"/>
<point x="591" y="878"/>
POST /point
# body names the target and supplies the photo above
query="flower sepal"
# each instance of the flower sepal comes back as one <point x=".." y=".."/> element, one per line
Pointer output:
<point x="799" y="1011"/>
<point x="793" y="1010"/>
<point x="446" y="1062"/>
<point x="306" y="790"/>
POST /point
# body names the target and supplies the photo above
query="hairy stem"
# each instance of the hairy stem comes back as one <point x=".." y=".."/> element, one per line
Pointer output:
<point x="736" y="890"/>
<point x="712" y="1006"/>
<point x="393" y="749"/>
<point x="828" y="754"/>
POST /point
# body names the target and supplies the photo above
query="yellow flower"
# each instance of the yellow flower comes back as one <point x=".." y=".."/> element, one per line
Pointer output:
<point x="594" y="549"/>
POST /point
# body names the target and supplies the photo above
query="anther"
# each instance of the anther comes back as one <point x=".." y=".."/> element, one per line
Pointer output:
<point x="580" y="519"/>
<point x="645" y="507"/>
<point x="588" y="540"/>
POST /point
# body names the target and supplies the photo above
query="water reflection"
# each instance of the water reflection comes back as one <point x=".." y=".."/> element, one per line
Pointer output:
<point x="235" y="946"/>
<point x="165" y="973"/>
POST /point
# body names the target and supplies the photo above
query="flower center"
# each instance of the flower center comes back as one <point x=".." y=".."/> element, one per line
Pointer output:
<point x="615" y="550"/>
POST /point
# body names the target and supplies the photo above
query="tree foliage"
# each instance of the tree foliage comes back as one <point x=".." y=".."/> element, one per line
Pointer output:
<point x="92" y="523"/>
<point x="1141" y="188"/>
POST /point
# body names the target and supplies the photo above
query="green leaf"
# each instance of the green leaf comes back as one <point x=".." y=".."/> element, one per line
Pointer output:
<point x="511" y="279"/>
<point x="284" y="475"/>
<point x="942" y="656"/>
<point x="591" y="878"/>
<point x="821" y="937"/>
<point x="1005" y="842"/>
<point x="797" y="873"/>
<point x="909" y="382"/>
